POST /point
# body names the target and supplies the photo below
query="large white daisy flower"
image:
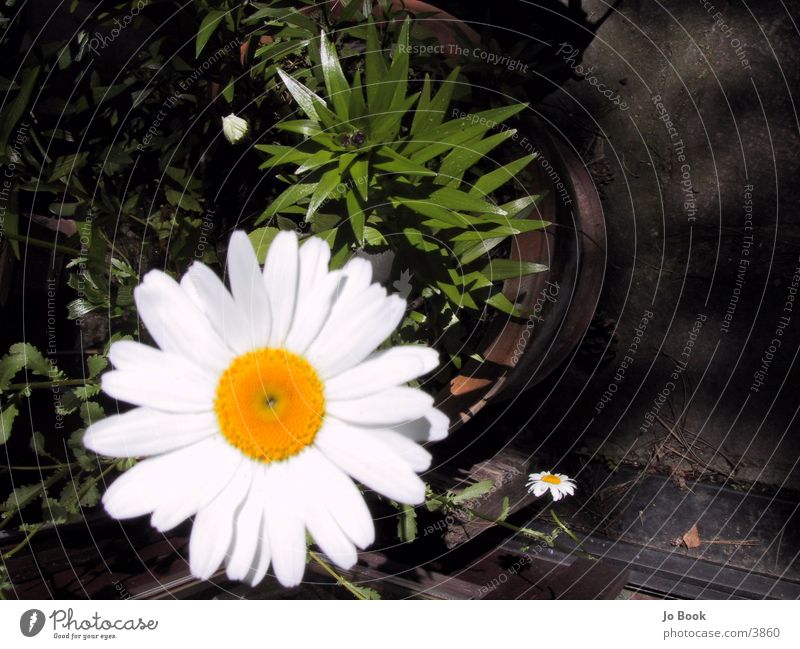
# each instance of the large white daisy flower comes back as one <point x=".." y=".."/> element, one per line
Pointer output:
<point x="558" y="484"/>
<point x="260" y="406"/>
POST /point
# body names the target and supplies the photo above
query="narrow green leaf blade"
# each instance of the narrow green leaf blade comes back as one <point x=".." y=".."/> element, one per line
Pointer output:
<point x="207" y="29"/>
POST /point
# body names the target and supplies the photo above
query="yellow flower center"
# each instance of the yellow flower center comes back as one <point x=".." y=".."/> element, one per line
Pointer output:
<point x="270" y="404"/>
<point x="552" y="479"/>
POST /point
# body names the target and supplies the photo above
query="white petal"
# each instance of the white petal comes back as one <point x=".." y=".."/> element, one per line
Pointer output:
<point x="539" y="489"/>
<point x="263" y="557"/>
<point x="216" y="302"/>
<point x="142" y="489"/>
<point x="345" y="342"/>
<point x="148" y="432"/>
<point x="162" y="391"/>
<point x="384" y="369"/>
<point x="430" y="428"/>
<point x="340" y="496"/>
<point x="357" y="275"/>
<point x="324" y="529"/>
<point x="212" y="530"/>
<point x="370" y="461"/>
<point x="176" y="324"/>
<point x="202" y="481"/>
<point x="130" y="355"/>
<point x="280" y="279"/>
<point x="315" y="256"/>
<point x="391" y="406"/>
<point x="247" y="286"/>
<point x="246" y="539"/>
<point x="556" y="494"/>
<point x="412" y="453"/>
<point x="284" y="526"/>
<point x="313" y="311"/>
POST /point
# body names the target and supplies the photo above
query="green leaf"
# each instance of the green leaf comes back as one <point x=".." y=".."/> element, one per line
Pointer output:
<point x="19" y="498"/>
<point x="375" y="65"/>
<point x="515" y="226"/>
<point x="399" y="164"/>
<point x="261" y="239"/>
<point x="487" y="183"/>
<point x="366" y="593"/>
<point x="335" y="82"/>
<point x="397" y="78"/>
<point x="462" y="158"/>
<point x="515" y="207"/>
<point x="227" y="91"/>
<point x="16" y="109"/>
<point x="183" y="200"/>
<point x="359" y="172"/>
<point x="325" y="187"/>
<point x="502" y="303"/>
<point x="472" y="252"/>
<point x="288" y="198"/>
<point x="504" y="510"/>
<point x="358" y="106"/>
<point x="356" y="216"/>
<point x="314" y="161"/>
<point x="310" y="103"/>
<point x="91" y="412"/>
<point x="96" y="364"/>
<point x="7" y="417"/>
<point x="9" y="221"/>
<point x="304" y="127"/>
<point x="207" y="29"/>
<point x="499" y="269"/>
<point x="455" y="199"/>
<point x="431" y="112"/>
<point x="473" y="491"/>
<point x="407" y="524"/>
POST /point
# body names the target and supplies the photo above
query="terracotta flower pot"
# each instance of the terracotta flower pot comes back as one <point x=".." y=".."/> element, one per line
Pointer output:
<point x="521" y="352"/>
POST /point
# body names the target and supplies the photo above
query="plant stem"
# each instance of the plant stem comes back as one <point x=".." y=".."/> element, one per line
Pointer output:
<point x="23" y="542"/>
<point x="39" y="243"/>
<point x="570" y="534"/>
<point x="339" y="579"/>
<point x="44" y="487"/>
<point x="41" y="467"/>
<point x="519" y="530"/>
<point x="49" y="384"/>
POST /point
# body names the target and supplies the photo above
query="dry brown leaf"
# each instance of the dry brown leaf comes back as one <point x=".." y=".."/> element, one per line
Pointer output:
<point x="692" y="538"/>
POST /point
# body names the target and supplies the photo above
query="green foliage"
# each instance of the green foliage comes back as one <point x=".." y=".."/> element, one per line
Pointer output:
<point x="407" y="523"/>
<point x="452" y="500"/>
<point x="377" y="166"/>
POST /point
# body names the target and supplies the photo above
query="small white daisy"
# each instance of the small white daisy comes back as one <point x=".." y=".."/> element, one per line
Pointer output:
<point x="558" y="484"/>
<point x="261" y="407"/>
<point x="234" y="128"/>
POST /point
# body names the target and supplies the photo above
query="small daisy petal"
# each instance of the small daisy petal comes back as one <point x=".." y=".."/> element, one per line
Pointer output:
<point x="558" y="484"/>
